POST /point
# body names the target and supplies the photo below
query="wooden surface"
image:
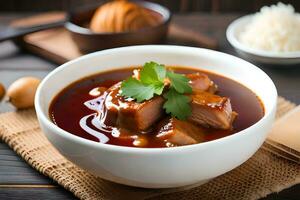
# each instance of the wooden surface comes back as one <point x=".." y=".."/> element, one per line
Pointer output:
<point x="20" y="181"/>
<point x="48" y="44"/>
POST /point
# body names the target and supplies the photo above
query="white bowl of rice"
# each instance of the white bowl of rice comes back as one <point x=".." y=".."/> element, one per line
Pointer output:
<point x="271" y="36"/>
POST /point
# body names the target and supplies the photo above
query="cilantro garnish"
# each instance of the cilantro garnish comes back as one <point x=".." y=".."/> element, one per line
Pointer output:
<point x="179" y="82"/>
<point x="152" y="73"/>
<point x="137" y="90"/>
<point x="152" y="81"/>
<point x="177" y="105"/>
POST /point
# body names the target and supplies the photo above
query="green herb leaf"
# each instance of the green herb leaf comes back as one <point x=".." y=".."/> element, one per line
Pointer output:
<point x="158" y="88"/>
<point x="177" y="104"/>
<point x="136" y="89"/>
<point x="179" y="82"/>
<point x="153" y="73"/>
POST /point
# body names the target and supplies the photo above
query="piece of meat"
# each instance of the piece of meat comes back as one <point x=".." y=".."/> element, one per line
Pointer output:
<point x="200" y="82"/>
<point x="177" y="133"/>
<point x="127" y="113"/>
<point x="211" y="110"/>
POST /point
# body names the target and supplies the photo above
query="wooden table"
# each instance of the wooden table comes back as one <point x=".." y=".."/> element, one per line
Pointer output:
<point x="19" y="181"/>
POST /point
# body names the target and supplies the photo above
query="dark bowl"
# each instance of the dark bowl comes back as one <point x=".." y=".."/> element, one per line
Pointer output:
<point x="88" y="41"/>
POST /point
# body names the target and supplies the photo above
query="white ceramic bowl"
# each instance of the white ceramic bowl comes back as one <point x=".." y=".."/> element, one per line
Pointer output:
<point x="158" y="167"/>
<point x="267" y="57"/>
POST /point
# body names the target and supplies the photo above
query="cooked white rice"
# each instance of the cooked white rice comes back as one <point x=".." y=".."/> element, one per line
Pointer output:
<point x="275" y="28"/>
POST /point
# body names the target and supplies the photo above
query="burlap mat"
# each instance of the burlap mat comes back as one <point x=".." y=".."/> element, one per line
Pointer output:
<point x="261" y="175"/>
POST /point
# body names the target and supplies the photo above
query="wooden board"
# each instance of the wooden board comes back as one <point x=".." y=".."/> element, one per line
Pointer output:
<point x="54" y="44"/>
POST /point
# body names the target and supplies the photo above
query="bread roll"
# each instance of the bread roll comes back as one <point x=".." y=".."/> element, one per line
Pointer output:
<point x="121" y="16"/>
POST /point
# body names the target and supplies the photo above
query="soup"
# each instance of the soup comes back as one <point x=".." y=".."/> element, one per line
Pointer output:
<point x="94" y="108"/>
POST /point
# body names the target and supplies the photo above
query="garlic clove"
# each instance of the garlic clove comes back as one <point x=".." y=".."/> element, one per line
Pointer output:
<point x="21" y="93"/>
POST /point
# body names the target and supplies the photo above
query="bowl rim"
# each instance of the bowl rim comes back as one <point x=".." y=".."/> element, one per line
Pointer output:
<point x="232" y="39"/>
<point x="44" y="117"/>
<point x="162" y="10"/>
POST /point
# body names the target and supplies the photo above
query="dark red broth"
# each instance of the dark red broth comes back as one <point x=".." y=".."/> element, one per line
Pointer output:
<point x="67" y="108"/>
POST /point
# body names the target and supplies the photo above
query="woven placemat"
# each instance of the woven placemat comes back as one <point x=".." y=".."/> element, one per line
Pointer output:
<point x="261" y="175"/>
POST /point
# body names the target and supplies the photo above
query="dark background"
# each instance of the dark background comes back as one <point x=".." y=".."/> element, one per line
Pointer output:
<point x="182" y="6"/>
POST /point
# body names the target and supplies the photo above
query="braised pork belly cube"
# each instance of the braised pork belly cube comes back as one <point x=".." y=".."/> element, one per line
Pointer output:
<point x="177" y="133"/>
<point x="200" y="82"/>
<point x="140" y="116"/>
<point x="126" y="113"/>
<point x="211" y="110"/>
